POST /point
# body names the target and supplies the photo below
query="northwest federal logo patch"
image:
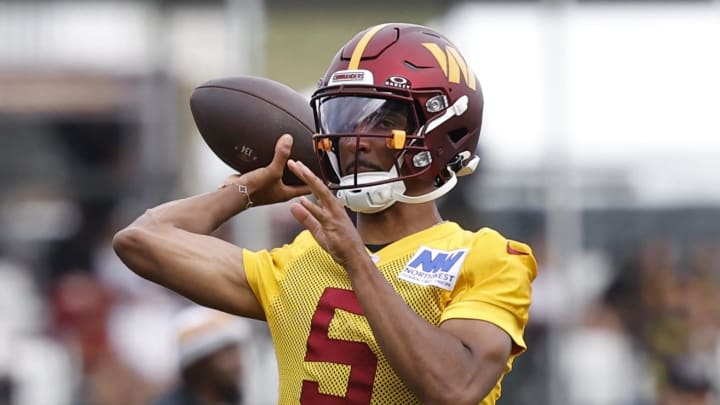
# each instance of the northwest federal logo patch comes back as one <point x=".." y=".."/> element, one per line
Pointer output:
<point x="434" y="267"/>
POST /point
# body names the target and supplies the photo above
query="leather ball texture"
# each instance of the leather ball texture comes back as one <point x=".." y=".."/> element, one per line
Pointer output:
<point x="241" y="118"/>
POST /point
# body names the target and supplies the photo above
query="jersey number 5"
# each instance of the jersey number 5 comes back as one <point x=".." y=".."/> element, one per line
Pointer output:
<point x="323" y="348"/>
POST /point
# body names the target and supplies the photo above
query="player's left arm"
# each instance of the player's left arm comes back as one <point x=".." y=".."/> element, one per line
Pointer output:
<point x="458" y="362"/>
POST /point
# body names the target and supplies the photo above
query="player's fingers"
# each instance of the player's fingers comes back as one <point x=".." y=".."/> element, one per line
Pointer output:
<point x="325" y="197"/>
<point x="305" y="218"/>
<point x="283" y="146"/>
<point x="315" y="210"/>
<point x="296" y="191"/>
<point x="297" y="169"/>
<point x="307" y="177"/>
<point x="317" y="186"/>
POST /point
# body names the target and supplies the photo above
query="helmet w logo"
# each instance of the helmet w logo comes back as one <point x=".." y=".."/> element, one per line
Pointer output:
<point x="452" y="64"/>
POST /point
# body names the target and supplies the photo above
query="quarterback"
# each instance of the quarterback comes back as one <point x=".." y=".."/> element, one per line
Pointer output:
<point x="396" y="307"/>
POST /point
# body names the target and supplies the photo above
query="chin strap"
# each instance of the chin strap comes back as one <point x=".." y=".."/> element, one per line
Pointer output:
<point x="372" y="199"/>
<point x="457" y="109"/>
<point x="437" y="193"/>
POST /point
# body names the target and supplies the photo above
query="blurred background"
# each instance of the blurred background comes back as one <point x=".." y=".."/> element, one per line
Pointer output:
<point x="599" y="147"/>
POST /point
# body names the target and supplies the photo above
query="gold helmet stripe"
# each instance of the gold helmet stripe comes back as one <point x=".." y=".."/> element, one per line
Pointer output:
<point x="452" y="64"/>
<point x="361" y="45"/>
<point x="457" y="65"/>
<point x="438" y="54"/>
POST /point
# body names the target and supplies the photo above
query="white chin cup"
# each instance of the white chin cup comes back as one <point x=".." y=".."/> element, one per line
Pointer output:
<point x="370" y="199"/>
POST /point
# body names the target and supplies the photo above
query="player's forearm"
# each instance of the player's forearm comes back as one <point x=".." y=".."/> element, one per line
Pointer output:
<point x="434" y="364"/>
<point x="200" y="214"/>
<point x="162" y="236"/>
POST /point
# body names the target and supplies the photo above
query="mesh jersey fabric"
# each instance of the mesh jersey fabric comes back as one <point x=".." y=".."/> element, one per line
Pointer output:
<point x="325" y="348"/>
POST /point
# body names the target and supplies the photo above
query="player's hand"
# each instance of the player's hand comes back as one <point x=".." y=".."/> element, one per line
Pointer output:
<point x="327" y="219"/>
<point x="265" y="185"/>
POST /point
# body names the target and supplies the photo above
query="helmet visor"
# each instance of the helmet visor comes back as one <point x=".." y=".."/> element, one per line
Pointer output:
<point x="365" y="115"/>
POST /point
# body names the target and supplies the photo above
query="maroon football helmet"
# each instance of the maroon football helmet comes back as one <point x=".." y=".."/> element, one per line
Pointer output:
<point x="410" y="85"/>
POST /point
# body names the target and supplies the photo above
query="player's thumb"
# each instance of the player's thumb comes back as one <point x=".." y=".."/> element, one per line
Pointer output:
<point x="282" y="151"/>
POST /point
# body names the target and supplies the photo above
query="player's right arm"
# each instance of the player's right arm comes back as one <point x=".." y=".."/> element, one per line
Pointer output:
<point x="171" y="243"/>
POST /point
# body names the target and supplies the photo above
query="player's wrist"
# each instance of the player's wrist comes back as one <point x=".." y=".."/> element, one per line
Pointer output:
<point x="354" y="260"/>
<point x="236" y="182"/>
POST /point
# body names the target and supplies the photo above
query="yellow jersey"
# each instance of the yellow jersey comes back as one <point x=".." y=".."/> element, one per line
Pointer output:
<point x="325" y="349"/>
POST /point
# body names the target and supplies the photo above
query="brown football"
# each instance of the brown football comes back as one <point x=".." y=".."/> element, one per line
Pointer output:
<point x="241" y="118"/>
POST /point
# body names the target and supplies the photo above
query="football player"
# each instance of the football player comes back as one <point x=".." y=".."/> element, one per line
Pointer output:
<point x="398" y="307"/>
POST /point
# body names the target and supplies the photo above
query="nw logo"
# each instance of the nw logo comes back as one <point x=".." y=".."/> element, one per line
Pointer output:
<point x="452" y="64"/>
<point x="442" y="261"/>
<point x="434" y="267"/>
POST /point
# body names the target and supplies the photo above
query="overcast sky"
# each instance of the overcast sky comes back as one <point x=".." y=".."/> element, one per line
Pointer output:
<point x="610" y="86"/>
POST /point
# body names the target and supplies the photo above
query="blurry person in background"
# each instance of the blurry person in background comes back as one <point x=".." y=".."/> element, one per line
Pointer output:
<point x="35" y="367"/>
<point x="210" y="357"/>
<point x="398" y="307"/>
